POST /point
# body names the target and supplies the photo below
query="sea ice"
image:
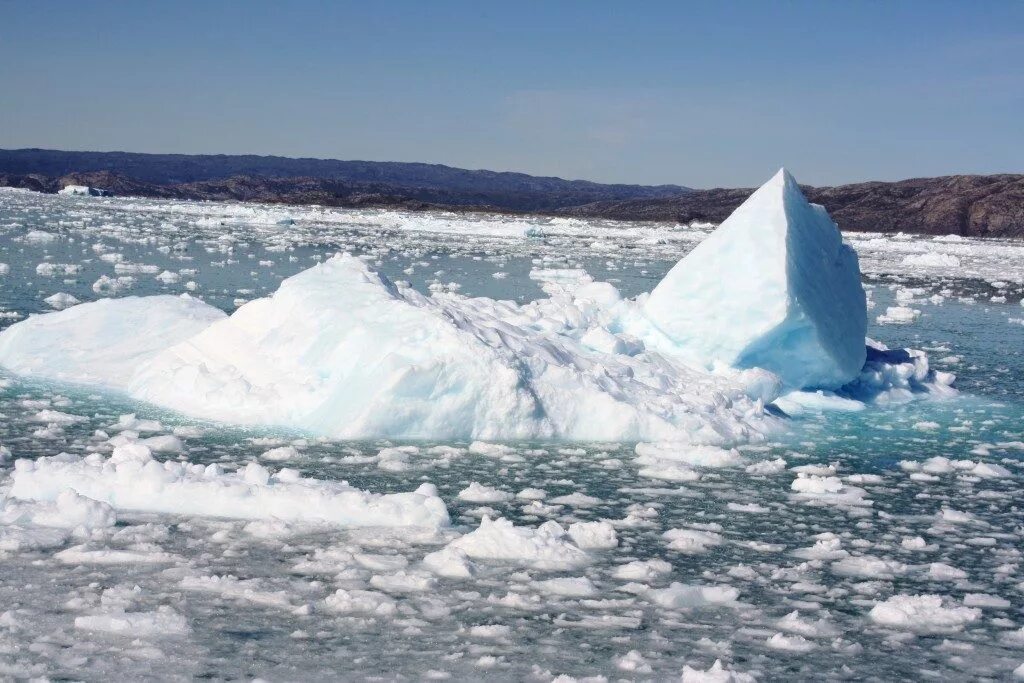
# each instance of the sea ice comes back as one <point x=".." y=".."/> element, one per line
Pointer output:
<point x="547" y="547"/>
<point x="130" y="479"/>
<point x="923" y="614"/>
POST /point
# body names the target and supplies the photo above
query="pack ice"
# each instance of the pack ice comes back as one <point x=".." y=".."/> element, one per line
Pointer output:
<point x="773" y="287"/>
<point x="342" y="351"/>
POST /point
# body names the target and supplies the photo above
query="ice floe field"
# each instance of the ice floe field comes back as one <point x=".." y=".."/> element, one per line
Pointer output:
<point x="602" y="511"/>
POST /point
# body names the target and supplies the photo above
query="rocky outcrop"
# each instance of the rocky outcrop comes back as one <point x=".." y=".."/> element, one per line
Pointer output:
<point x="456" y="186"/>
<point x="986" y="206"/>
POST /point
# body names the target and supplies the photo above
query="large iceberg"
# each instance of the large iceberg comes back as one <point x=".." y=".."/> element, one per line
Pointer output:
<point x="340" y="350"/>
<point x="770" y="302"/>
<point x="773" y="287"/>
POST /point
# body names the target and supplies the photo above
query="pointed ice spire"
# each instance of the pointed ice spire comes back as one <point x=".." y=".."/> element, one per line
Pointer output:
<point x="773" y="287"/>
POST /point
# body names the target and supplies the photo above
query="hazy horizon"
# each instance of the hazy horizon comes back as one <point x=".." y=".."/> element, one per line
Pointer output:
<point x="700" y="95"/>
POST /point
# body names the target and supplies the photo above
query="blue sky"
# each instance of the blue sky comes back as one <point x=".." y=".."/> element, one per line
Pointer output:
<point x="702" y="94"/>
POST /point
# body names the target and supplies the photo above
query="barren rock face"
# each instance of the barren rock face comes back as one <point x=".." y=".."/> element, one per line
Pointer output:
<point x="987" y="206"/>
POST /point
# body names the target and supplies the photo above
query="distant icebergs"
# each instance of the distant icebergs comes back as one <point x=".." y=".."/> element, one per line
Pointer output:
<point x="84" y="191"/>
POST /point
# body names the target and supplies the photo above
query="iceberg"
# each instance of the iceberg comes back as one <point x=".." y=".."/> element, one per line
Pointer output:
<point x="768" y="304"/>
<point x="84" y="191"/>
<point x="341" y="351"/>
<point x="773" y="287"/>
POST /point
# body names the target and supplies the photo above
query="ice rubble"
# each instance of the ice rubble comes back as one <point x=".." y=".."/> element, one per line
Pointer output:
<point x="342" y="351"/>
<point x="773" y="287"/>
<point x="131" y="479"/>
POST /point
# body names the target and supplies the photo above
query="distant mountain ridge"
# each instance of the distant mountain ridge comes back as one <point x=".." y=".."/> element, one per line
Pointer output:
<point x="507" y="190"/>
<point x="970" y="205"/>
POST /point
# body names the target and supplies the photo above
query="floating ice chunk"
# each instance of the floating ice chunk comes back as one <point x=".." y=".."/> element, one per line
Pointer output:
<point x="83" y="191"/>
<point x="917" y="543"/>
<point x="547" y="547"/>
<point x="898" y="376"/>
<point x="678" y="595"/>
<point x="281" y="453"/>
<point x="593" y="534"/>
<point x="109" y="286"/>
<point x="490" y="450"/>
<point x="868" y="567"/>
<point x="361" y="602"/>
<point x="642" y="570"/>
<point x="56" y="417"/>
<point x="478" y="493"/>
<point x="923" y="614"/>
<point x="60" y="301"/>
<point x="696" y="456"/>
<point x="567" y="586"/>
<point x="793" y="623"/>
<point x="827" y="547"/>
<point x="68" y="510"/>
<point x="990" y="470"/>
<point x="633" y="661"/>
<point x="453" y="563"/>
<point x="162" y="622"/>
<point x="228" y="586"/>
<point x="162" y="443"/>
<point x="828" y="490"/>
<point x="39" y="237"/>
<point x="792" y="643"/>
<point x="932" y="259"/>
<point x="691" y="541"/>
<point x="404" y="582"/>
<point x="47" y="269"/>
<point x="668" y="472"/>
<point x="800" y="402"/>
<point x="716" y="674"/>
<point x="576" y="499"/>
<point x="898" y="315"/>
<point x="136" y="424"/>
<point x="773" y="287"/>
<point x="80" y="554"/>
<point x="130" y="479"/>
<point x="986" y="600"/>
<point x="764" y="467"/>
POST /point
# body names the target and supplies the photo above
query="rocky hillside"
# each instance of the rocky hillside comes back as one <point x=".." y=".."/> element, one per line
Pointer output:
<point x="991" y="206"/>
<point x="415" y="182"/>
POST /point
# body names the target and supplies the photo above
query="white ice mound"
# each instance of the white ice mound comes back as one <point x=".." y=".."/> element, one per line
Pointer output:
<point x="130" y="479"/>
<point x="100" y="342"/>
<point x="341" y="351"/>
<point x="84" y="191"/>
<point x="773" y="287"/>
